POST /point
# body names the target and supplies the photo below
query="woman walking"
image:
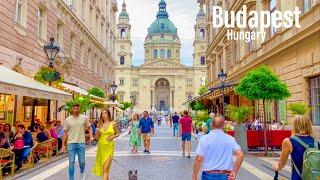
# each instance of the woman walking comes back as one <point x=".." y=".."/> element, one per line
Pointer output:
<point x="107" y="131"/>
<point x="135" y="138"/>
<point x="296" y="146"/>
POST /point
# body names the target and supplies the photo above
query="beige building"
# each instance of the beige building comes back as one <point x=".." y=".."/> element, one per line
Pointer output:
<point x="292" y="53"/>
<point x="161" y="82"/>
<point x="84" y="30"/>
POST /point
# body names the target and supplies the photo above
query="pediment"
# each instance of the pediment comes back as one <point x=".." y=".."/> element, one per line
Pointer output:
<point x="162" y="63"/>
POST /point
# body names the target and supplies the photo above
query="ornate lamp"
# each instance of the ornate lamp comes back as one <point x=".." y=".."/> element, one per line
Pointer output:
<point x="51" y="51"/>
<point x="222" y="76"/>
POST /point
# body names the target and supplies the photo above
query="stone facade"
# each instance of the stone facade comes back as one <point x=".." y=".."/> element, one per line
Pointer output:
<point x="161" y="82"/>
<point x="293" y="53"/>
<point x="84" y="30"/>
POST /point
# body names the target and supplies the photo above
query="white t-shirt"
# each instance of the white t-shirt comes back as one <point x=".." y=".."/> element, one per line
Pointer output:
<point x="217" y="149"/>
<point x="76" y="128"/>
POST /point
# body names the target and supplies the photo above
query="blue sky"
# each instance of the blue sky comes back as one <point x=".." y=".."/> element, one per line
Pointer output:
<point x="143" y="12"/>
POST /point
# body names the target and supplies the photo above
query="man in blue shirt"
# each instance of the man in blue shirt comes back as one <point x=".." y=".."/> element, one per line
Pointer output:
<point x="175" y="121"/>
<point x="146" y="127"/>
<point x="22" y="153"/>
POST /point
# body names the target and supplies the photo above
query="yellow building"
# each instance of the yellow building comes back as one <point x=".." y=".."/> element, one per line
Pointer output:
<point x="161" y="82"/>
<point x="292" y="53"/>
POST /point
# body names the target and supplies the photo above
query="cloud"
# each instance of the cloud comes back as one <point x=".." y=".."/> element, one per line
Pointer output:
<point x="143" y="12"/>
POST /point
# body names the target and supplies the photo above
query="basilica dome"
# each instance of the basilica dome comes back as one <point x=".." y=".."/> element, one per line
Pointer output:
<point x="162" y="25"/>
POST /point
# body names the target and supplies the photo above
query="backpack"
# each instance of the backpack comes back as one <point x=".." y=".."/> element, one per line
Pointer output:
<point x="311" y="160"/>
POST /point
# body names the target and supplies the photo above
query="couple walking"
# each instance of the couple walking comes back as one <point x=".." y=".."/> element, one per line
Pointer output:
<point x="74" y="139"/>
<point x="141" y="128"/>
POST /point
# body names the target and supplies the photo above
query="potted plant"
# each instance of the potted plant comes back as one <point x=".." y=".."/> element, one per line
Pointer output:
<point x="240" y="115"/>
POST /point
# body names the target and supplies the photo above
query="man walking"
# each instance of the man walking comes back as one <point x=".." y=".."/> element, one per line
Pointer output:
<point x="74" y="132"/>
<point x="215" y="153"/>
<point x="175" y="121"/>
<point x="146" y="128"/>
<point x="185" y="132"/>
<point x="159" y="118"/>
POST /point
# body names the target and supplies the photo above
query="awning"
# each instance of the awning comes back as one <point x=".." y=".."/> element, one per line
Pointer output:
<point x="12" y="82"/>
<point x="78" y="90"/>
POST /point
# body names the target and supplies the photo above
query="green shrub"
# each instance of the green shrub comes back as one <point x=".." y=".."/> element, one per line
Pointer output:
<point x="299" y="108"/>
<point x="239" y="114"/>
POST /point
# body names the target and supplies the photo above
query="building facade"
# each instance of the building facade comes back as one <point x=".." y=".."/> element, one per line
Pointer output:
<point x="292" y="53"/>
<point x="162" y="82"/>
<point x="83" y="29"/>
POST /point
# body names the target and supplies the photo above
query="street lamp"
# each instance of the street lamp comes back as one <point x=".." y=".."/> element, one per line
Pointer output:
<point x="189" y="97"/>
<point x="222" y="77"/>
<point x="51" y="51"/>
<point x="113" y="97"/>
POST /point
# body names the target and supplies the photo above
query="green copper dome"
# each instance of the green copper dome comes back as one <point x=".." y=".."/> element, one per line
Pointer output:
<point x="162" y="24"/>
<point x="124" y="14"/>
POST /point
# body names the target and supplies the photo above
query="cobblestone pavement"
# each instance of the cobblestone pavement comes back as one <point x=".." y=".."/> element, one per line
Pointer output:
<point x="164" y="163"/>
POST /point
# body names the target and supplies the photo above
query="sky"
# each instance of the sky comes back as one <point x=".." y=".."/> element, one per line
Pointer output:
<point x="143" y="12"/>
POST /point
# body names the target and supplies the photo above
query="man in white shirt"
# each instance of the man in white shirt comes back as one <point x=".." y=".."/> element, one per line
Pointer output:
<point x="215" y="154"/>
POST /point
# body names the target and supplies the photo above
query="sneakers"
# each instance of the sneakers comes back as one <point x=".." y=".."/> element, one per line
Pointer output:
<point x="82" y="176"/>
<point x="144" y="151"/>
<point x="147" y="152"/>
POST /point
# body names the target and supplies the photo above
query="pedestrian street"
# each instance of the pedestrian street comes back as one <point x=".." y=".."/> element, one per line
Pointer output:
<point x="164" y="163"/>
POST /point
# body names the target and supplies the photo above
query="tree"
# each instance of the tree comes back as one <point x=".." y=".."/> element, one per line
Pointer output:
<point x="83" y="101"/>
<point x="202" y="90"/>
<point x="48" y="75"/>
<point x="97" y="92"/>
<point x="262" y="84"/>
<point x="125" y="105"/>
<point x="299" y="108"/>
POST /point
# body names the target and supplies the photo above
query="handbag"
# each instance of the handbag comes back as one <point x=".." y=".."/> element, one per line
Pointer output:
<point x="18" y="143"/>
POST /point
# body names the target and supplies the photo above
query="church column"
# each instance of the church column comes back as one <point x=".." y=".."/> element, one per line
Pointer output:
<point x="151" y="99"/>
<point x="170" y="97"/>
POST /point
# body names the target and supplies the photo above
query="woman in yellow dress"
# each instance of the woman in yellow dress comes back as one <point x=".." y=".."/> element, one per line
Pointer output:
<point x="107" y="131"/>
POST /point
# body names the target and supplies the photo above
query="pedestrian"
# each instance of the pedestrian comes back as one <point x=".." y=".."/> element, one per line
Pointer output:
<point x="297" y="145"/>
<point x="146" y="128"/>
<point x="135" y="138"/>
<point x="185" y="132"/>
<point x="159" y="118"/>
<point x="209" y="121"/>
<point x="107" y="131"/>
<point x="215" y="154"/>
<point x="175" y="121"/>
<point x="74" y="132"/>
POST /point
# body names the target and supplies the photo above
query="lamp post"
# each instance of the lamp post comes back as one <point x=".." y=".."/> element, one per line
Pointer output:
<point x="113" y="97"/>
<point x="51" y="51"/>
<point x="222" y="77"/>
<point x="189" y="99"/>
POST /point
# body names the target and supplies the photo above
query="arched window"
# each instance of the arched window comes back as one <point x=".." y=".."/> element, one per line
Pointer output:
<point x="169" y="54"/>
<point x="202" y="33"/>
<point x="155" y="53"/>
<point x="123" y="33"/>
<point x="162" y="53"/>
<point x="121" y="60"/>
<point x="162" y="26"/>
<point x="203" y="60"/>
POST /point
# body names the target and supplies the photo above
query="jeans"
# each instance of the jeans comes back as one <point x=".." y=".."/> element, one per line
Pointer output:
<point x="206" y="176"/>
<point x="73" y="150"/>
<point x="175" y="128"/>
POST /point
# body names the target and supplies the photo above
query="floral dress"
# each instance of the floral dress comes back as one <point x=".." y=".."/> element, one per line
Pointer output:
<point x="135" y="139"/>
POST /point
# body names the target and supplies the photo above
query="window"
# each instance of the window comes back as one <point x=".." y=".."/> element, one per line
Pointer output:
<point x="81" y="53"/>
<point x="83" y="10"/>
<point x="21" y="13"/>
<point x="121" y="60"/>
<point x="74" y="4"/>
<point x="135" y="82"/>
<point x="88" y="63"/>
<point x="306" y="5"/>
<point x="272" y="9"/>
<point x="73" y="46"/>
<point x="202" y="33"/>
<point x="169" y="54"/>
<point x="189" y="82"/>
<point x="41" y="23"/>
<point x="155" y="53"/>
<point x="162" y="53"/>
<point x="202" y="60"/>
<point x="162" y="26"/>
<point x="121" y="98"/>
<point x="251" y="42"/>
<point x="91" y="18"/>
<point x="60" y="35"/>
<point x="315" y="99"/>
<point x="123" y="33"/>
<point x="121" y="82"/>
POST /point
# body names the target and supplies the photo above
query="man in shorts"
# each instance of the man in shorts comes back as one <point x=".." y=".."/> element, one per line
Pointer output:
<point x="146" y="128"/>
<point x="185" y="132"/>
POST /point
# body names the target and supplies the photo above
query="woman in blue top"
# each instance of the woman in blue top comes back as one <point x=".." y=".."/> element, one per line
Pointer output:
<point x="302" y="129"/>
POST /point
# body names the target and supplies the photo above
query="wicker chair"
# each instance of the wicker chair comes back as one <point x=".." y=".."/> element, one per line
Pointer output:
<point x="45" y="149"/>
<point x="7" y="158"/>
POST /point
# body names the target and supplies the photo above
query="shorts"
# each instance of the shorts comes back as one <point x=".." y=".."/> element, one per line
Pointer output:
<point x="145" y="136"/>
<point x="186" y="137"/>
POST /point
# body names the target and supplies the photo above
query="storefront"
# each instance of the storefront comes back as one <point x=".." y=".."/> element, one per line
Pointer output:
<point x="23" y="99"/>
<point x="315" y="99"/>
